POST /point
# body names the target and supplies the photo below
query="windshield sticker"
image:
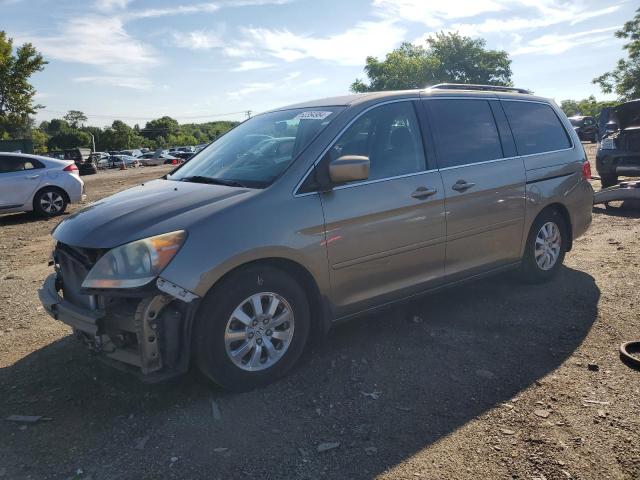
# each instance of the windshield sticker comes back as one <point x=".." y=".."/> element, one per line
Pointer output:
<point x="312" y="115"/>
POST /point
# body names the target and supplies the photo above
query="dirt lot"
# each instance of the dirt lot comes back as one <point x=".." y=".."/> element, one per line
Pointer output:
<point x="491" y="380"/>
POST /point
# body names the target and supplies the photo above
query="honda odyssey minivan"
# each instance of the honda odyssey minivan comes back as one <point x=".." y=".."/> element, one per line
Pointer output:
<point x="315" y="213"/>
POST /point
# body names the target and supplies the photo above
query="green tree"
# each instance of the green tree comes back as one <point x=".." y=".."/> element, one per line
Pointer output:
<point x="75" y="118"/>
<point x="447" y="57"/>
<point x="69" y="138"/>
<point x="586" y="106"/>
<point x="16" y="93"/>
<point x="624" y="80"/>
<point x="164" y="127"/>
<point x="40" y="140"/>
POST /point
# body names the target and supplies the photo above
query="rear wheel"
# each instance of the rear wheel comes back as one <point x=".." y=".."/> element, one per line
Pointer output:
<point x="50" y="202"/>
<point x="608" y="180"/>
<point x="546" y="247"/>
<point x="251" y="329"/>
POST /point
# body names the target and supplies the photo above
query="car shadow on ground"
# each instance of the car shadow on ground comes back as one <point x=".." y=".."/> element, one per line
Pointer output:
<point x="627" y="209"/>
<point x="26" y="217"/>
<point x="397" y="381"/>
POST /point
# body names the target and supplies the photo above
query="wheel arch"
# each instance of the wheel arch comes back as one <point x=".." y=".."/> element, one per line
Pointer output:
<point x="50" y="187"/>
<point x="321" y="317"/>
<point x="564" y="212"/>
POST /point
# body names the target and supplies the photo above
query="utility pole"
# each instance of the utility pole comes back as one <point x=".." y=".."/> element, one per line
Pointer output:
<point x="93" y="141"/>
<point x="248" y="113"/>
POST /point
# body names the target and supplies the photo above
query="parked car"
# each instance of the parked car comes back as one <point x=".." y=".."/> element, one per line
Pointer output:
<point x="619" y="148"/>
<point x="131" y="153"/>
<point x="129" y="161"/>
<point x="236" y="260"/>
<point x="40" y="184"/>
<point x="183" y="156"/>
<point x="83" y="159"/>
<point x="586" y="128"/>
<point x="155" y="158"/>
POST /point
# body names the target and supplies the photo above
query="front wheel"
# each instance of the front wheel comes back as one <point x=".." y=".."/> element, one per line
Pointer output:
<point x="545" y="248"/>
<point x="252" y="328"/>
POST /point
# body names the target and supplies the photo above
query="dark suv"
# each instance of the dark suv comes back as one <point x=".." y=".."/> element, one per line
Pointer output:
<point x="619" y="149"/>
<point x="585" y="127"/>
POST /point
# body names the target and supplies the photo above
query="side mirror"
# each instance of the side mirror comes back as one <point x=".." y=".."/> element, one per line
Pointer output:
<point x="349" y="168"/>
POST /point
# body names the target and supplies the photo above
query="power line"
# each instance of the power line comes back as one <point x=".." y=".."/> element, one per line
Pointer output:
<point x="129" y="117"/>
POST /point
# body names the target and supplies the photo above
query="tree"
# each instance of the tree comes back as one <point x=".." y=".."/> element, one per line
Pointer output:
<point x="587" y="106"/>
<point x="447" y="57"/>
<point x="75" y="118"/>
<point x="624" y="80"/>
<point x="160" y="127"/>
<point x="70" y="138"/>
<point x="16" y="93"/>
<point x="40" y="140"/>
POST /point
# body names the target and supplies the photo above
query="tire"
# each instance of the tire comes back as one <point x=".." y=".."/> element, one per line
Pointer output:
<point x="542" y="268"/>
<point x="50" y="202"/>
<point x="218" y="331"/>
<point x="608" y="180"/>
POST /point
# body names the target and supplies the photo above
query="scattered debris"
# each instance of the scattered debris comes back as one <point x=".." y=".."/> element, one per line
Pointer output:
<point x="375" y="395"/>
<point x="593" y="367"/>
<point x="142" y="442"/>
<point x="507" y="431"/>
<point x="215" y="410"/>
<point x="596" y="402"/>
<point x="326" y="446"/>
<point x="542" y="413"/>
<point x="602" y="413"/>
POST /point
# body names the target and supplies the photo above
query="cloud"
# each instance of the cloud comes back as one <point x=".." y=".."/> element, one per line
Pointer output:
<point x="314" y="81"/>
<point x="137" y="83"/>
<point x="108" y="5"/>
<point x="350" y="47"/>
<point x="203" y="7"/>
<point x="97" y="40"/>
<point x="433" y="13"/>
<point x="554" y="44"/>
<point x="250" y="88"/>
<point x="198" y="40"/>
<point x="252" y="65"/>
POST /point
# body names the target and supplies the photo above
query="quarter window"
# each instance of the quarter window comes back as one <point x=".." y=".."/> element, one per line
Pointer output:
<point x="17" y="164"/>
<point x="536" y="127"/>
<point x="389" y="135"/>
<point x="465" y="132"/>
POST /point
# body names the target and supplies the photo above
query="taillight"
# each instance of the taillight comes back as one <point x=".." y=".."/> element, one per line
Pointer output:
<point x="586" y="170"/>
<point x="70" y="168"/>
<point x="174" y="162"/>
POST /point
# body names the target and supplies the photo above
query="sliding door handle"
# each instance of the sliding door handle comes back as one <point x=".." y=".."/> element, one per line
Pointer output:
<point x="424" y="192"/>
<point x="462" y="185"/>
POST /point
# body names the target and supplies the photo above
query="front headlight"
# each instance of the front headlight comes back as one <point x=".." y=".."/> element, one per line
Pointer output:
<point x="135" y="264"/>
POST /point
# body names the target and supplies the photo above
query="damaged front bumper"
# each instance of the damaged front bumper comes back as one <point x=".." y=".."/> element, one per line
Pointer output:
<point x="146" y="331"/>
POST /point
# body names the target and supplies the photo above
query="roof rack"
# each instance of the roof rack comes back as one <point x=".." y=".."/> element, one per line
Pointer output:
<point x="487" y="88"/>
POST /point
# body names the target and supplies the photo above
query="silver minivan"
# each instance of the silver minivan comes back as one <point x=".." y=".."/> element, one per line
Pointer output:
<point x="315" y="213"/>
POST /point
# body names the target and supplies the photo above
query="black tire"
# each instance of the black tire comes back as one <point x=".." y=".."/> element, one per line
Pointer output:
<point x="216" y="310"/>
<point x="530" y="270"/>
<point x="50" y="202"/>
<point x="608" y="180"/>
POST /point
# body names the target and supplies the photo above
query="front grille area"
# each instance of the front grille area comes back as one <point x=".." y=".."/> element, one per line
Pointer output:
<point x="73" y="265"/>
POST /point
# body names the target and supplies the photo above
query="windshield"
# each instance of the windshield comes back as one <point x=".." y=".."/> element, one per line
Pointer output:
<point x="257" y="151"/>
<point x="576" y="122"/>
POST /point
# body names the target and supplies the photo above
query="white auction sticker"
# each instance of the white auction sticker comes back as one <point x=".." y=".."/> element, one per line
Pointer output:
<point x="312" y="115"/>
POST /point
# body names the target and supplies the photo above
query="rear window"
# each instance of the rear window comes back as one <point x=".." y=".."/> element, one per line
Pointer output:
<point x="465" y="132"/>
<point x="536" y="127"/>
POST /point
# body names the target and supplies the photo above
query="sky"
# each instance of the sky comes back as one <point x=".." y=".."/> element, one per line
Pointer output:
<point x="198" y="60"/>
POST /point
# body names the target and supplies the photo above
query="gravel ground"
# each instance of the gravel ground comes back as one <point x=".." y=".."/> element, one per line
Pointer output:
<point x="491" y="380"/>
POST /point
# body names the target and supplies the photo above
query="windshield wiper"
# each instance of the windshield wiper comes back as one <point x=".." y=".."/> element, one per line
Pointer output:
<point x="212" y="181"/>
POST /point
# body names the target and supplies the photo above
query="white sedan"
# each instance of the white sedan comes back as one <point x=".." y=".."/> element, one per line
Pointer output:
<point x="40" y="184"/>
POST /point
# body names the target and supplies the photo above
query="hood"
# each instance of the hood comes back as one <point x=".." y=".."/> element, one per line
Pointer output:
<point x="149" y="209"/>
<point x="628" y="114"/>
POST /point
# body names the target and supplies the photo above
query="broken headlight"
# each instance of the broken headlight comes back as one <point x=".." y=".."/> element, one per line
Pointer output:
<point x="135" y="264"/>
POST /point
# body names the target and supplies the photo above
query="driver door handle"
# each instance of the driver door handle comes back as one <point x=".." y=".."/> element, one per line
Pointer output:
<point x="32" y="177"/>
<point x="462" y="185"/>
<point x="424" y="192"/>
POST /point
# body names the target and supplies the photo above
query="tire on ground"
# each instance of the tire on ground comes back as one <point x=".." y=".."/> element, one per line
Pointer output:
<point x="216" y="310"/>
<point x="530" y="271"/>
<point x="50" y="202"/>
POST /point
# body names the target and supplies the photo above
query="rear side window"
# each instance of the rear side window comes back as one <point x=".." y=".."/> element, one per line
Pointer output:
<point x="17" y="164"/>
<point x="536" y="127"/>
<point x="465" y="132"/>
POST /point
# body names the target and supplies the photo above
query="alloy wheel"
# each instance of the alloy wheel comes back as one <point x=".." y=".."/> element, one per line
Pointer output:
<point x="52" y="202"/>
<point x="259" y="331"/>
<point x="548" y="246"/>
